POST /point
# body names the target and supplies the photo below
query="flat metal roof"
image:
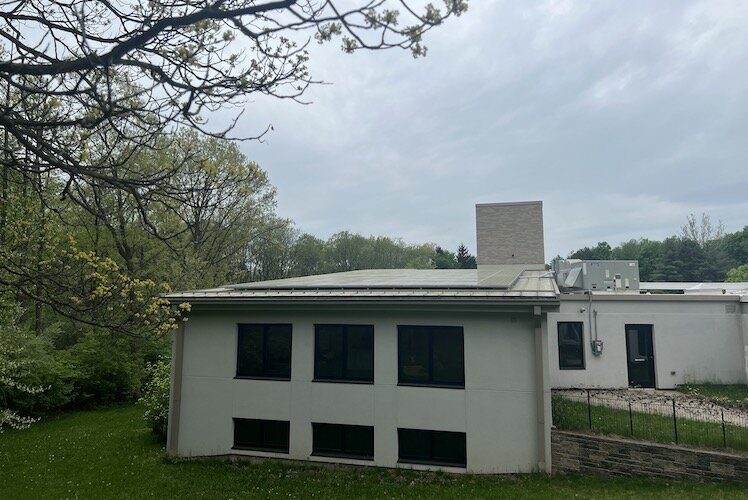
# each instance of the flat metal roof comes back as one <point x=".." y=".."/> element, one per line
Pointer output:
<point x="502" y="277"/>
<point x="441" y="284"/>
<point x="695" y="287"/>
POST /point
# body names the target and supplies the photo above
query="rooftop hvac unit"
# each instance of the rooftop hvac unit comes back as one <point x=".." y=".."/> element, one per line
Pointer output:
<point x="602" y="275"/>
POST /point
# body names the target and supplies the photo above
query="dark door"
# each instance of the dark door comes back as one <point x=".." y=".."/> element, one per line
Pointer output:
<point x="640" y="355"/>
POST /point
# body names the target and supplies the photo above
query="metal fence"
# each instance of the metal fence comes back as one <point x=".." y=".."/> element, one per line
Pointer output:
<point x="697" y="423"/>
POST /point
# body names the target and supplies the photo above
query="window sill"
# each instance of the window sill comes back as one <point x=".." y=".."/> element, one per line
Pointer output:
<point x="343" y="381"/>
<point x="259" y="448"/>
<point x="344" y="455"/>
<point x="431" y="462"/>
<point x="256" y="377"/>
<point x="436" y="386"/>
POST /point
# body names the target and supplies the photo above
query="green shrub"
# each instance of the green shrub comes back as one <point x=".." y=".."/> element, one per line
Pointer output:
<point x="105" y="371"/>
<point x="46" y="368"/>
<point x="156" y="396"/>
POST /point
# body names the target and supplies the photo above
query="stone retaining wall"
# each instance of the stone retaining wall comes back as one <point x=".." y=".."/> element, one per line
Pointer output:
<point x="590" y="453"/>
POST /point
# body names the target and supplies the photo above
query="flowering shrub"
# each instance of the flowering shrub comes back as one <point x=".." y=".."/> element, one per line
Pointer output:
<point x="15" y="363"/>
<point x="156" y="396"/>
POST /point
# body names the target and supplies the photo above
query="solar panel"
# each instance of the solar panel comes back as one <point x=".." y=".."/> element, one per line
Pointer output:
<point x="489" y="277"/>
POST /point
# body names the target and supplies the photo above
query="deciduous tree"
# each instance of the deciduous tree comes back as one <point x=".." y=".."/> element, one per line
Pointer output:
<point x="738" y="274"/>
<point x="129" y="71"/>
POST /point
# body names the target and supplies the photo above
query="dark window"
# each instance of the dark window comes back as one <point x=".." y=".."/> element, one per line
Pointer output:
<point x="344" y="352"/>
<point x="432" y="447"/>
<point x="264" y="351"/>
<point x="262" y="435"/>
<point x="333" y="440"/>
<point x="571" y="345"/>
<point x="431" y="355"/>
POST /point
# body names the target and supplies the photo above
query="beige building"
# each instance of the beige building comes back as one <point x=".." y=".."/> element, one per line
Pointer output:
<point x="437" y="369"/>
<point x="400" y="368"/>
<point x="649" y="340"/>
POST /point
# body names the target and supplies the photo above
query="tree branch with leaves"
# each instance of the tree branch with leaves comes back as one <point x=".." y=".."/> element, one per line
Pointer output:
<point x="134" y="70"/>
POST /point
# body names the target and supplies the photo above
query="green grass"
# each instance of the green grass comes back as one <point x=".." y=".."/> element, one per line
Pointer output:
<point x="110" y="454"/>
<point x="727" y="394"/>
<point x="573" y="415"/>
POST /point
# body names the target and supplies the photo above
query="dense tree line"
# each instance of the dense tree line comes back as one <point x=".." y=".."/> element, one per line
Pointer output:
<point x="81" y="277"/>
<point x="284" y="252"/>
<point x="115" y="188"/>
<point x="701" y="252"/>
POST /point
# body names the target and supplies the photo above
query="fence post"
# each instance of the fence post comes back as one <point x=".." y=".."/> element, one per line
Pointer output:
<point x="631" y="420"/>
<point x="724" y="434"/>
<point x="589" y="409"/>
<point x="675" y="423"/>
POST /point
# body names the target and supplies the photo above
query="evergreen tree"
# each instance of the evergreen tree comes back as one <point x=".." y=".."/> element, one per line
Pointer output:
<point x="464" y="259"/>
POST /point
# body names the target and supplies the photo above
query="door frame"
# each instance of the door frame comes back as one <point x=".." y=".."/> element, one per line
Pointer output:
<point x="651" y="363"/>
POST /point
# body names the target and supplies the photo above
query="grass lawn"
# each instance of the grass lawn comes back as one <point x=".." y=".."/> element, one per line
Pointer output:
<point x="728" y="394"/>
<point x="110" y="454"/>
<point x="573" y="415"/>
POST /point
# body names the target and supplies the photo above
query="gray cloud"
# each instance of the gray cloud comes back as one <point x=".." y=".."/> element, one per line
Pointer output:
<point x="622" y="116"/>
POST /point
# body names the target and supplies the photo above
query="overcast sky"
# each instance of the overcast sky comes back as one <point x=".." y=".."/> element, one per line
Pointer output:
<point x="623" y="117"/>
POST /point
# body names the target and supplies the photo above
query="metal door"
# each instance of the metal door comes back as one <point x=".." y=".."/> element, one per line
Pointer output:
<point x="640" y="355"/>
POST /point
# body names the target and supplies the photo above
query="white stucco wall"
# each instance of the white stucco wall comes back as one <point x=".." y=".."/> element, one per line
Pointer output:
<point x="496" y="410"/>
<point x="695" y="340"/>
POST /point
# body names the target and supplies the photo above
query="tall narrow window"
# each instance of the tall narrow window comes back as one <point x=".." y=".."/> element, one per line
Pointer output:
<point x="344" y="353"/>
<point x="432" y="447"/>
<point x="571" y="345"/>
<point x="261" y="435"/>
<point x="334" y="440"/>
<point x="264" y="351"/>
<point x="431" y="355"/>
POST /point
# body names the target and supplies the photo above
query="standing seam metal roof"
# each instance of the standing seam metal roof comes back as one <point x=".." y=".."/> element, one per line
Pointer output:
<point x="502" y="277"/>
<point x="382" y="284"/>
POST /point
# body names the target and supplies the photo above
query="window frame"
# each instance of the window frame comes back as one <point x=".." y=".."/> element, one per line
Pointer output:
<point x="561" y="365"/>
<point x="343" y="378"/>
<point x="430" y="382"/>
<point x="342" y="453"/>
<point x="265" y="335"/>
<point x="262" y="446"/>
<point x="431" y="459"/>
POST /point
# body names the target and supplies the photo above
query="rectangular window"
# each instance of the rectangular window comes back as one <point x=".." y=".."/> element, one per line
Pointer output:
<point x="344" y="352"/>
<point x="432" y="447"/>
<point x="264" y="351"/>
<point x="431" y="355"/>
<point x="346" y="441"/>
<point x="571" y="345"/>
<point x="261" y="435"/>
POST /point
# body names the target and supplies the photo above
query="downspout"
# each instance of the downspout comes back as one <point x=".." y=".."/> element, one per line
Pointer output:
<point x="175" y="391"/>
<point x="543" y="393"/>
<point x="744" y="327"/>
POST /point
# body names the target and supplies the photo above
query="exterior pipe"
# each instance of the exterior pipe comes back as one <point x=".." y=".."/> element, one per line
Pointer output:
<point x="595" y="315"/>
<point x="589" y="314"/>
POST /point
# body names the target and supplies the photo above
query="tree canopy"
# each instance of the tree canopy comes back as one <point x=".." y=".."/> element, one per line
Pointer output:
<point x="116" y="186"/>
<point x="88" y="84"/>
<point x="738" y="274"/>
<point x="702" y="252"/>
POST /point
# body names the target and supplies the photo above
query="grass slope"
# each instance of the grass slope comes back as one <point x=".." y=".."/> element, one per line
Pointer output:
<point x="110" y="454"/>
<point x="725" y="394"/>
<point x="573" y="415"/>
